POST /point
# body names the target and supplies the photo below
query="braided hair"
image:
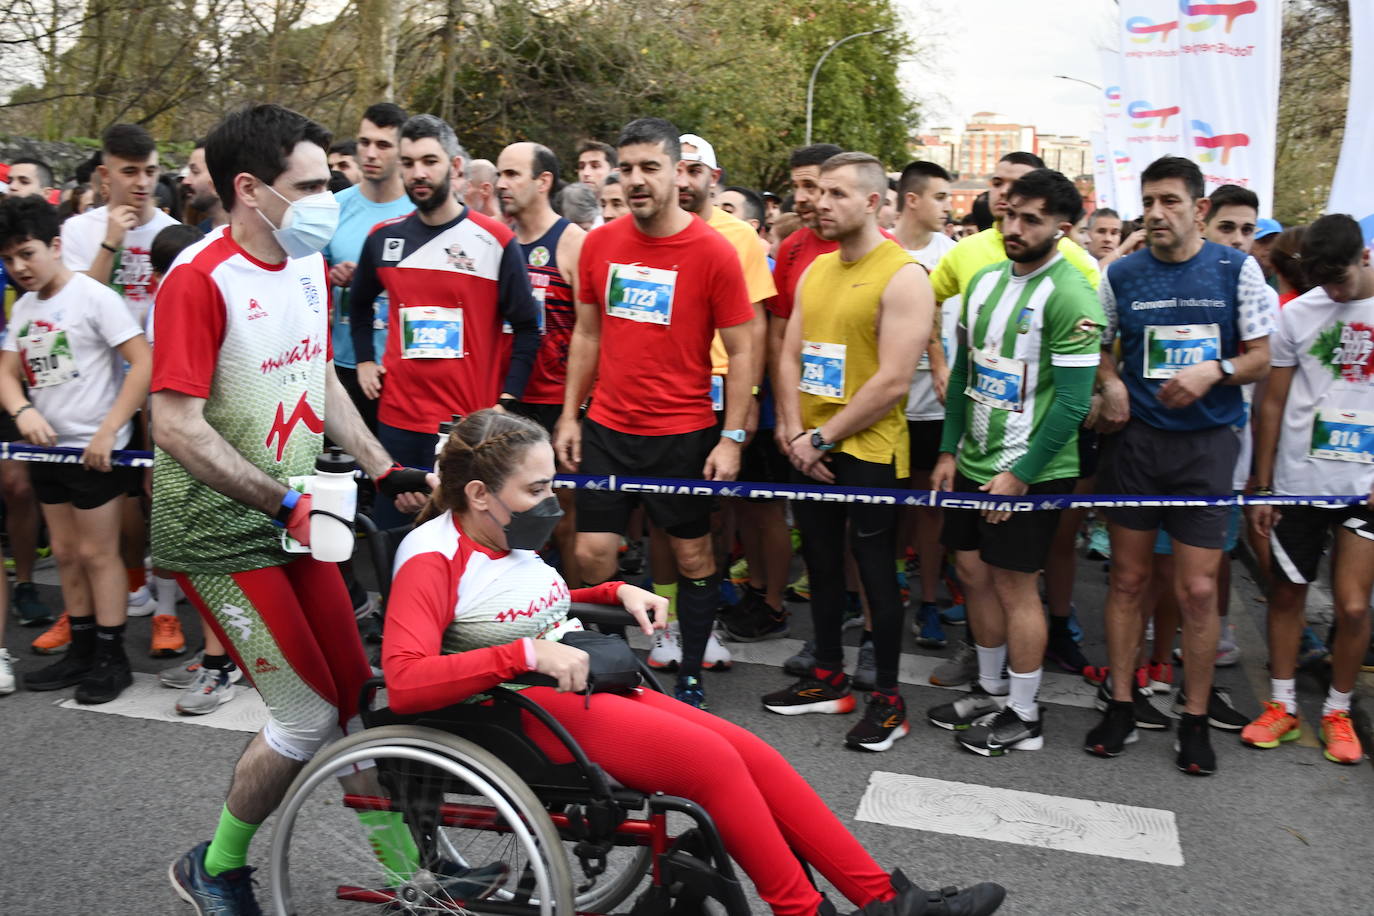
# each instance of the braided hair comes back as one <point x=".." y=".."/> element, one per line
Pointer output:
<point x="484" y="446"/>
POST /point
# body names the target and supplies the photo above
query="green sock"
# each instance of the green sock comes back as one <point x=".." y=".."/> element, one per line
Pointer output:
<point x="669" y="592"/>
<point x="229" y="848"/>
<point x="392" y="843"/>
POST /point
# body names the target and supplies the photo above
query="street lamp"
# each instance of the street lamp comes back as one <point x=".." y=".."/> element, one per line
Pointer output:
<point x="811" y="86"/>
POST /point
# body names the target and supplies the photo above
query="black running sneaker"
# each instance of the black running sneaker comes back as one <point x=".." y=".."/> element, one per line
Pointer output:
<point x="966" y="710"/>
<point x="107" y="679"/>
<point x="1064" y="652"/>
<point x="1116" y="730"/>
<point x="1221" y="712"/>
<point x="1194" y="747"/>
<point x="811" y="694"/>
<point x="883" y="723"/>
<point x="65" y="672"/>
<point x="752" y="620"/>
<point x="913" y="900"/>
<point x="1146" y="715"/>
<point x="1006" y="731"/>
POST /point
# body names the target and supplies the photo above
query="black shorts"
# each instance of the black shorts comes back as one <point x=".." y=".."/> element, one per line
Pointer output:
<point x="763" y="462"/>
<point x="1088" y="450"/>
<point x="925" y="443"/>
<point x="1304" y="533"/>
<point x="605" y="452"/>
<point x="546" y="415"/>
<point x="1020" y="544"/>
<point x="83" y="488"/>
<point x="1144" y="461"/>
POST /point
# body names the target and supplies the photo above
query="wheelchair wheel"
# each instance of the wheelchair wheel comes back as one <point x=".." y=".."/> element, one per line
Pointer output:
<point x="625" y="869"/>
<point x="427" y="822"/>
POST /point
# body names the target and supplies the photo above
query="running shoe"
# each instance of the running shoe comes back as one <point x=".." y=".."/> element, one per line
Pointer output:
<point x="1064" y="652"/>
<point x="1146" y="715"/>
<point x="854" y="611"/>
<point x="1099" y="543"/>
<point x="739" y="571"/>
<point x="967" y="710"/>
<point x="956" y="615"/>
<point x="631" y="562"/>
<point x="227" y="894"/>
<point x="865" y="669"/>
<point x="168" y="640"/>
<point x="212" y="689"/>
<point x="1161" y="675"/>
<point x="883" y="722"/>
<point x="927" y="627"/>
<point x="1194" y="747"/>
<point x="29" y="609"/>
<point x="1228" y="653"/>
<point x="141" y="602"/>
<point x="1221" y="711"/>
<point x="801" y="664"/>
<point x="912" y="900"/>
<point x="800" y="590"/>
<point x="1312" y="651"/>
<point x="1004" y="731"/>
<point x="812" y="694"/>
<point x="55" y="639"/>
<point x="1116" y="730"/>
<point x="106" y="680"/>
<point x="7" y="682"/>
<point x="1273" y="727"/>
<point x="958" y="669"/>
<point x="716" y="657"/>
<point x="67" y="671"/>
<point x="666" y="654"/>
<point x="1096" y="674"/>
<point x="756" y="621"/>
<point x="182" y="675"/>
<point x="689" y="690"/>
<point x="1338" y="735"/>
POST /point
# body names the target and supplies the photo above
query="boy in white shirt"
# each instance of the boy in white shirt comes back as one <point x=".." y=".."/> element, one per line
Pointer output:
<point x="70" y="336"/>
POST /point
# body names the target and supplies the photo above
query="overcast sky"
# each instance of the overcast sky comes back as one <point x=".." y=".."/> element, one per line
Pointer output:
<point x="1003" y="55"/>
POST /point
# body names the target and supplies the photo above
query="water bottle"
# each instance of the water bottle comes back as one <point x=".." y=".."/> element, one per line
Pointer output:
<point x="334" y="502"/>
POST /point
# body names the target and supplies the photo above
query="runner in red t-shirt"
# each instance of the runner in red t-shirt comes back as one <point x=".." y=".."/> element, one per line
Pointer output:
<point x="652" y="292"/>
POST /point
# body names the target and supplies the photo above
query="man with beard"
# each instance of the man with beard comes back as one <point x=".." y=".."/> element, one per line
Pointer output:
<point x="451" y="276"/>
<point x="1026" y="352"/>
<point x="203" y="198"/>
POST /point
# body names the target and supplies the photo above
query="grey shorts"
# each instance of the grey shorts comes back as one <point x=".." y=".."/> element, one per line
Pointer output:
<point x="1144" y="461"/>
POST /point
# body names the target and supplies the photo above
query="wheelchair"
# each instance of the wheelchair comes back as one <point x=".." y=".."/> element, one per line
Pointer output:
<point x="498" y="827"/>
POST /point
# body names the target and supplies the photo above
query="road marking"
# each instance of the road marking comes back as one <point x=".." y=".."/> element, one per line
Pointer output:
<point x="1055" y="687"/>
<point x="148" y="699"/>
<point x="1024" y="818"/>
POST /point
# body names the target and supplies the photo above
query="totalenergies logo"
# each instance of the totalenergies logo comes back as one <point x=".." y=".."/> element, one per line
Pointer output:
<point x="1142" y="30"/>
<point x="1205" y="15"/>
<point x="1142" y="113"/>
<point x="1113" y="95"/>
<point x="1211" y="142"/>
<point x="1122" y="161"/>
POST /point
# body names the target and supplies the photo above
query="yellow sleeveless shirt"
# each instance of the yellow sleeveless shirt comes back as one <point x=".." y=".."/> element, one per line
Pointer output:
<point x="840" y="303"/>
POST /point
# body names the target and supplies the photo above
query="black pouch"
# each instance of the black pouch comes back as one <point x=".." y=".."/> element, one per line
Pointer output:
<point x="612" y="665"/>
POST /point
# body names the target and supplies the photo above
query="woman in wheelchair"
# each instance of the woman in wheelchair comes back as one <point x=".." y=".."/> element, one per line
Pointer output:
<point x="472" y="605"/>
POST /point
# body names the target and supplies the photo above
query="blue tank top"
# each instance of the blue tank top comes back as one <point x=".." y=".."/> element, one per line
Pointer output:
<point x="1170" y="315"/>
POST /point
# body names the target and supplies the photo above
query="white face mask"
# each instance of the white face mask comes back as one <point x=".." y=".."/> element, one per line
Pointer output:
<point x="308" y="225"/>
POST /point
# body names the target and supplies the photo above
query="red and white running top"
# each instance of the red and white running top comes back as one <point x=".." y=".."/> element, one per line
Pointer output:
<point x="461" y="617"/>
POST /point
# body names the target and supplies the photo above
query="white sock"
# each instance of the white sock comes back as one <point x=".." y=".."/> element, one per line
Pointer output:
<point x="1024" y="688"/>
<point x="166" y="595"/>
<point x="1336" y="701"/>
<point x="991" y="666"/>
<point x="1285" y="692"/>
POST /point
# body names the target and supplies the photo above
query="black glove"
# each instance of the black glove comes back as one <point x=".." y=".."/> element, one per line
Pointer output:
<point x="398" y="479"/>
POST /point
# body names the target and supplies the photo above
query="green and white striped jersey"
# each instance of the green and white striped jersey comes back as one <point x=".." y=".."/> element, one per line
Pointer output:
<point x="1016" y="329"/>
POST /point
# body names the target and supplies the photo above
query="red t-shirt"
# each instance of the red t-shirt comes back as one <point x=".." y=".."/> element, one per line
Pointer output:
<point x="661" y="301"/>
<point x="795" y="254"/>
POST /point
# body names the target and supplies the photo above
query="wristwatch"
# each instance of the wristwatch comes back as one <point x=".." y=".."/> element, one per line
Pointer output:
<point x="818" y="441"/>
<point x="1228" y="368"/>
<point x="734" y="435"/>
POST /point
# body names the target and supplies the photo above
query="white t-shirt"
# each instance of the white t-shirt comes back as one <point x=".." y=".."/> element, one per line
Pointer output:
<point x="1326" y="444"/>
<point x="921" y="402"/>
<point x="132" y="275"/>
<point x="67" y="349"/>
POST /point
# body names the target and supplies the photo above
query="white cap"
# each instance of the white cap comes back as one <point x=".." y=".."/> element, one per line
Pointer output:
<point x="705" y="152"/>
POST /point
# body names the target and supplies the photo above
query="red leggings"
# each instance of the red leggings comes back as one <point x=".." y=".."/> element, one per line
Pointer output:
<point x="763" y="807"/>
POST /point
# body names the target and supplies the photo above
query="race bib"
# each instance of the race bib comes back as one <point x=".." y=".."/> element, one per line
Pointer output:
<point x="1170" y="348"/>
<point x="717" y="393"/>
<point x="822" y="369"/>
<point x="48" y="359"/>
<point x="1343" y="435"/>
<point x="639" y="293"/>
<point x="429" y="332"/>
<point x="997" y="381"/>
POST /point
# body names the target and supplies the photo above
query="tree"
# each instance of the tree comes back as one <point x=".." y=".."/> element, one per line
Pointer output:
<point x="1312" y="100"/>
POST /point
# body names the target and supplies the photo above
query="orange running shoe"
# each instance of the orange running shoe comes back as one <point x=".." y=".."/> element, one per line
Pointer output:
<point x="1273" y="727"/>
<point x="56" y="638"/>
<point x="1338" y="734"/>
<point x="167" y="637"/>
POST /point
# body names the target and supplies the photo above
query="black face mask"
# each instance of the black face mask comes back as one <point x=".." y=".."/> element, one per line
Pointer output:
<point x="532" y="528"/>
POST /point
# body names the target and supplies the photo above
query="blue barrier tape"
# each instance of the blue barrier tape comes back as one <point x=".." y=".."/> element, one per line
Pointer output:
<point x="18" y="451"/>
